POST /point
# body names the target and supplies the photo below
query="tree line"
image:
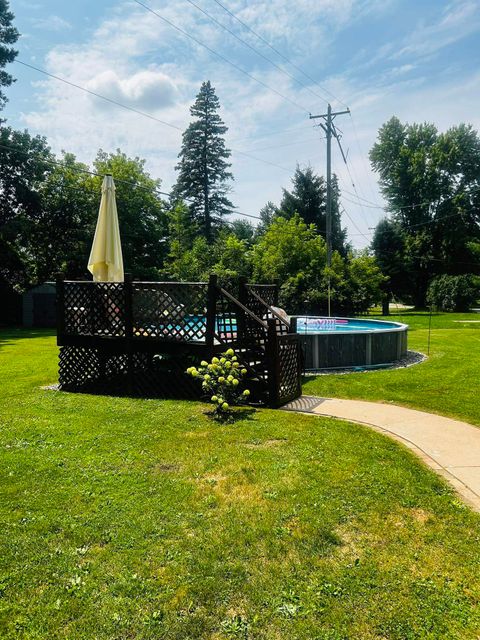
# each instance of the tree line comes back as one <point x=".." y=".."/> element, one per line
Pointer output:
<point x="430" y="181"/>
<point x="429" y="245"/>
<point x="49" y="206"/>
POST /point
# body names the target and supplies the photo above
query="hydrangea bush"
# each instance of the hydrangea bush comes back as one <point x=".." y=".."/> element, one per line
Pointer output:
<point x="222" y="380"/>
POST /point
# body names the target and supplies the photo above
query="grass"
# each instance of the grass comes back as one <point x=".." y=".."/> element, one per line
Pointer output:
<point x="447" y="383"/>
<point x="126" y="518"/>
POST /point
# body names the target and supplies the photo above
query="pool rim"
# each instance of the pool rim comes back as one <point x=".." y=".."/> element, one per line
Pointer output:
<point x="397" y="328"/>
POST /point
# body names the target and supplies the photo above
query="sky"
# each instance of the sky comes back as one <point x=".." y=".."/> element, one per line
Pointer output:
<point x="416" y="59"/>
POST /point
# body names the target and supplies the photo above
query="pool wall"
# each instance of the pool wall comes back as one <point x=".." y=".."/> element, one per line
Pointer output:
<point x="349" y="349"/>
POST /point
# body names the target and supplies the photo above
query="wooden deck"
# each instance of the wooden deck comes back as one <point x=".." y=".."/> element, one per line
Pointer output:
<point x="138" y="338"/>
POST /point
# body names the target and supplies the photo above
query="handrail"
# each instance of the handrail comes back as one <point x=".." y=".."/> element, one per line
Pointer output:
<point x="274" y="313"/>
<point x="134" y="282"/>
<point x="167" y="282"/>
<point x="256" y="284"/>
<point x="242" y="307"/>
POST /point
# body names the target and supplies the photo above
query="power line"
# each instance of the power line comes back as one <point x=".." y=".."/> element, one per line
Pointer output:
<point x="286" y="144"/>
<point x="365" y="205"/>
<point x="77" y="169"/>
<point x="364" y="199"/>
<point x="338" y="134"/>
<point x="249" y="155"/>
<point x="219" y="55"/>
<point x="360" y="204"/>
<point x="252" y="48"/>
<point x="137" y="111"/>
<point x="414" y="206"/>
<point x="247" y="215"/>
<point x="279" y="53"/>
<point x="80" y="170"/>
<point x="444" y="260"/>
<point x="354" y="223"/>
<point x="362" y="158"/>
<point x="272" y="133"/>
<point x="421" y="224"/>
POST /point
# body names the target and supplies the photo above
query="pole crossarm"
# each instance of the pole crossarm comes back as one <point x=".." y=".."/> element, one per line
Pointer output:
<point x="333" y="114"/>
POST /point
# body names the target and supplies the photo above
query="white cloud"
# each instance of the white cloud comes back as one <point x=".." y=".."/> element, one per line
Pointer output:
<point x="458" y="20"/>
<point x="136" y="59"/>
<point x="149" y="90"/>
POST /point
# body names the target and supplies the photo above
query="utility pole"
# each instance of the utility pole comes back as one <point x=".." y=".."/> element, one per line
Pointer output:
<point x="330" y="132"/>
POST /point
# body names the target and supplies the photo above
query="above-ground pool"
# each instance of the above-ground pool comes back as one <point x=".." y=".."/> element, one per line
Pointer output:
<point x="336" y="343"/>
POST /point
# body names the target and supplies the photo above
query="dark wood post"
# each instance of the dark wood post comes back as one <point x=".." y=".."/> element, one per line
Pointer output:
<point x="128" y="290"/>
<point x="243" y="298"/>
<point x="212" y="294"/>
<point x="272" y="363"/>
<point x="60" y="306"/>
<point x="128" y="317"/>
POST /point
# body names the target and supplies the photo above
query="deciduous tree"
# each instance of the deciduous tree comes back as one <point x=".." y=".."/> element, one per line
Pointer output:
<point x="8" y="37"/>
<point x="25" y="162"/>
<point x="141" y="212"/>
<point x="431" y="182"/>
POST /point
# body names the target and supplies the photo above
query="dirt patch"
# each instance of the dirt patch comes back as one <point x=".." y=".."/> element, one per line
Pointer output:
<point x="166" y="467"/>
<point x="420" y="515"/>
<point x="213" y="478"/>
<point x="197" y="434"/>
<point x="229" y="489"/>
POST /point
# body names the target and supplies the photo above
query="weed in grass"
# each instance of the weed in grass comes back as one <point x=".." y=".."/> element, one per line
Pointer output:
<point x="235" y="627"/>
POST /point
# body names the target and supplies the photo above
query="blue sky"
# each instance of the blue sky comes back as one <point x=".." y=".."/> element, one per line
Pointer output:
<point x="418" y="60"/>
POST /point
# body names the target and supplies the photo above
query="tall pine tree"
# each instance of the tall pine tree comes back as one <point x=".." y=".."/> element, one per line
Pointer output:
<point x="8" y="36"/>
<point x="203" y="168"/>
<point x="308" y="198"/>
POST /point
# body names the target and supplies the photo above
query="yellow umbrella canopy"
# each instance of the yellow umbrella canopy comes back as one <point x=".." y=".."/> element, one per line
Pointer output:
<point x="106" y="261"/>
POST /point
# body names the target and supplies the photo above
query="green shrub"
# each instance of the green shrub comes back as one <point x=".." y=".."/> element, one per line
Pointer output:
<point x="222" y="380"/>
<point x="453" y="293"/>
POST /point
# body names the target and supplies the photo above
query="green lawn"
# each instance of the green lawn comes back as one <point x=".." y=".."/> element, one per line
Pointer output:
<point x="142" y="519"/>
<point x="447" y="383"/>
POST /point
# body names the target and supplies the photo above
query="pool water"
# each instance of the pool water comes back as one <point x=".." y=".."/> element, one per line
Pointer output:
<point x="314" y="325"/>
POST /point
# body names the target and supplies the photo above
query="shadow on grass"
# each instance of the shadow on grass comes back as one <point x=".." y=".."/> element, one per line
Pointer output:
<point x="15" y="333"/>
<point x="238" y="415"/>
<point x="9" y="335"/>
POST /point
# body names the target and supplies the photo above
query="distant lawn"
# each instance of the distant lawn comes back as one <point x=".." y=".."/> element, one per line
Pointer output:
<point x="448" y="383"/>
<point x="142" y="519"/>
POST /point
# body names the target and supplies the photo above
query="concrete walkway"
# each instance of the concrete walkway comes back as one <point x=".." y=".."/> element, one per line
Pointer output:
<point x="450" y="447"/>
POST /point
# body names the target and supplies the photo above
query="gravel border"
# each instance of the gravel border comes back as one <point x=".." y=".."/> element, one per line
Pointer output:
<point x="409" y="360"/>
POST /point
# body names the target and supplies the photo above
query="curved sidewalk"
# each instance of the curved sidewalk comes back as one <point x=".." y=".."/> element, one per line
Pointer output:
<point x="450" y="447"/>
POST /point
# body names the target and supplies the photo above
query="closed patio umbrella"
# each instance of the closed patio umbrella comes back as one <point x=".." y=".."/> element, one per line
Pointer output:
<point x="106" y="261"/>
